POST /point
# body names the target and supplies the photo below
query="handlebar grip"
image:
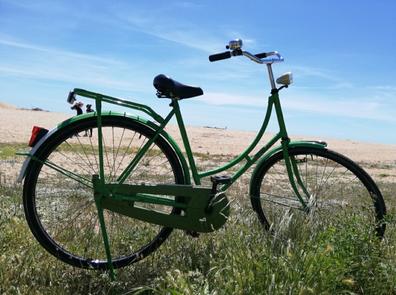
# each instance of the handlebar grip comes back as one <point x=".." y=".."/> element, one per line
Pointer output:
<point x="71" y="98"/>
<point x="261" y="55"/>
<point x="220" y="56"/>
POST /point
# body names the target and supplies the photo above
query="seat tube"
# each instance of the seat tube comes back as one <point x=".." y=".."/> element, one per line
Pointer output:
<point x="186" y="142"/>
<point x="98" y="104"/>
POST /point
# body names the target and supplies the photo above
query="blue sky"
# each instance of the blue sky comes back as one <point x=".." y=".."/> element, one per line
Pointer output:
<point x="342" y="55"/>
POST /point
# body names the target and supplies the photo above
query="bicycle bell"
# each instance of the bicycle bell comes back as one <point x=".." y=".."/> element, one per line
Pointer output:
<point x="234" y="44"/>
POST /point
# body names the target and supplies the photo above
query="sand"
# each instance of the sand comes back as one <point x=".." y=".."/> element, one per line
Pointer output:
<point x="16" y="126"/>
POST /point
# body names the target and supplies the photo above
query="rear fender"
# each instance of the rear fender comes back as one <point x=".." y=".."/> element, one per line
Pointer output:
<point x="74" y="119"/>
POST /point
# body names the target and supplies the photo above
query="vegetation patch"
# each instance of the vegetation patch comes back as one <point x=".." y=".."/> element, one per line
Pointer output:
<point x="8" y="150"/>
<point x="240" y="258"/>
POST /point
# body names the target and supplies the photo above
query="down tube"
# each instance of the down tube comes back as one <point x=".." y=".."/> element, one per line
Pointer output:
<point x="245" y="153"/>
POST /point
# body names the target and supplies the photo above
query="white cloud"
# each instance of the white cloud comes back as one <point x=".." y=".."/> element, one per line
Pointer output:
<point x="54" y="51"/>
<point x="219" y="98"/>
<point x="350" y="108"/>
<point x="45" y="63"/>
<point x="167" y="27"/>
<point x="307" y="71"/>
<point x="187" y="4"/>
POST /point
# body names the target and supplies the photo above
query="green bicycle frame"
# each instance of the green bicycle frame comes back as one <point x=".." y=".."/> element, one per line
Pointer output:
<point x="273" y="102"/>
<point x="113" y="196"/>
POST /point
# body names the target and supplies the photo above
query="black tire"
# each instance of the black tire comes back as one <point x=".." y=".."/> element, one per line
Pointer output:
<point x="340" y="189"/>
<point x="61" y="212"/>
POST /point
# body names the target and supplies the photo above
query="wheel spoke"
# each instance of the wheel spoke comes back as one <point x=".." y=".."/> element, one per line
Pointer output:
<point x="64" y="211"/>
<point x="339" y="190"/>
<point x="283" y="201"/>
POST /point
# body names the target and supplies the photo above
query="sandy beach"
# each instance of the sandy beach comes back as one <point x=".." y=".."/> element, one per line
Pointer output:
<point x="16" y="125"/>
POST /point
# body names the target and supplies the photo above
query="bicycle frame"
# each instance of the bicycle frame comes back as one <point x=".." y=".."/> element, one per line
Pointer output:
<point x="273" y="102"/>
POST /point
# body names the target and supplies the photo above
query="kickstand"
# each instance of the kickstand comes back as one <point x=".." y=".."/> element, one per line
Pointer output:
<point x="98" y="202"/>
<point x="106" y="242"/>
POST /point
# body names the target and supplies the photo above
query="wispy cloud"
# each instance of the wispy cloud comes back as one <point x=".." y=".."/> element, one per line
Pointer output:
<point x="46" y="63"/>
<point x="220" y="98"/>
<point x="54" y="51"/>
<point x="304" y="71"/>
<point x="383" y="92"/>
<point x="189" y="37"/>
<point x="188" y="4"/>
<point x="37" y="5"/>
<point x="170" y="28"/>
<point x="350" y="108"/>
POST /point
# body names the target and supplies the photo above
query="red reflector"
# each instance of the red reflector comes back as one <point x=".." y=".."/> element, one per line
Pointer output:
<point x="37" y="134"/>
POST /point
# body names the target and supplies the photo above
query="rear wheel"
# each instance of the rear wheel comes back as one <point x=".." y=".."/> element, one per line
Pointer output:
<point x="338" y="190"/>
<point x="61" y="211"/>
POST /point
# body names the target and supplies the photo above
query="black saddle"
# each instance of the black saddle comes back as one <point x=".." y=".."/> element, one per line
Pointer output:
<point x="170" y="88"/>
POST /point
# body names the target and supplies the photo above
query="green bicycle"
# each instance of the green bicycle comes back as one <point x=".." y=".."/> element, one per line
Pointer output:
<point x="108" y="200"/>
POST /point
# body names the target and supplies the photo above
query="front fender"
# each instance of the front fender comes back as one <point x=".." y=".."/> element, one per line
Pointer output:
<point x="278" y="149"/>
<point x="74" y="119"/>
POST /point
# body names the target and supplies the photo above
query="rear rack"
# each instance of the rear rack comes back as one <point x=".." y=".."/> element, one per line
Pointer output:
<point x="98" y="97"/>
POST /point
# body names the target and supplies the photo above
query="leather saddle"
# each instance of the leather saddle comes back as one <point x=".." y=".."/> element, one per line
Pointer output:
<point x="169" y="88"/>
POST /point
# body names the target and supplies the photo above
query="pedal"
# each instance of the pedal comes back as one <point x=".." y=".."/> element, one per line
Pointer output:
<point x="219" y="179"/>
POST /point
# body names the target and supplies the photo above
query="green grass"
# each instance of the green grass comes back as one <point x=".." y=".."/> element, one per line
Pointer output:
<point x="240" y="258"/>
<point x="8" y="150"/>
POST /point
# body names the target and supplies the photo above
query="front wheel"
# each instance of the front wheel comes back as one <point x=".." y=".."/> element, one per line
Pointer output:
<point x="338" y="190"/>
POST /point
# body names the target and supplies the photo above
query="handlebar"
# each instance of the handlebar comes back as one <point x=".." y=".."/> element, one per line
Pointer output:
<point x="268" y="58"/>
<point x="235" y="49"/>
<point x="261" y="58"/>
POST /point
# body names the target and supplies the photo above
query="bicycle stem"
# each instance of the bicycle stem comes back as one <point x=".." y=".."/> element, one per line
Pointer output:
<point x="269" y="64"/>
<point x="271" y="77"/>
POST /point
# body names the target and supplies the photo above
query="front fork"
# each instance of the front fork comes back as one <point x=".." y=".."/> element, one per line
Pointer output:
<point x="294" y="175"/>
<point x="290" y="161"/>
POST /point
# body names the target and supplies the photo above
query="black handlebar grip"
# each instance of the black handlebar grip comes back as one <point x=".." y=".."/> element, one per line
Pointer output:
<point x="71" y="98"/>
<point x="261" y="55"/>
<point x="220" y="56"/>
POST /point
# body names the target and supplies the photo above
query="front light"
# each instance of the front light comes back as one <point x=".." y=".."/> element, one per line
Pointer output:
<point x="285" y="79"/>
